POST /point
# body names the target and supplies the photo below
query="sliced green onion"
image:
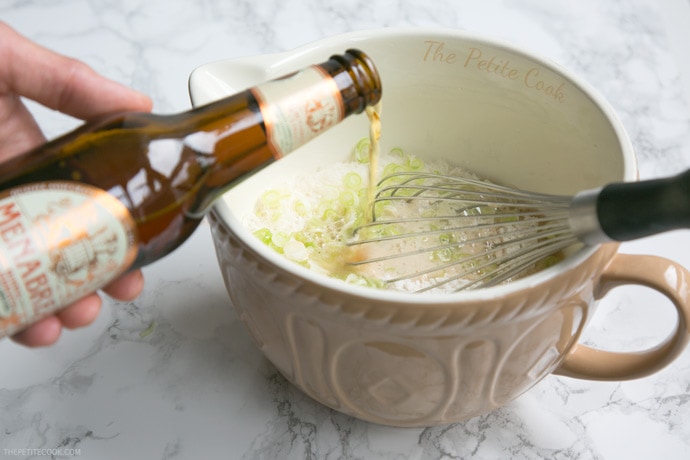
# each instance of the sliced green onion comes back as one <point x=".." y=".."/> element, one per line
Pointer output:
<point x="352" y="180"/>
<point x="361" y="150"/>
<point x="264" y="235"/>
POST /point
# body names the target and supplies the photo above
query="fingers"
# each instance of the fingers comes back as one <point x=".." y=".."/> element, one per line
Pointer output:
<point x="126" y="287"/>
<point x="81" y="313"/>
<point x="18" y="129"/>
<point x="47" y="331"/>
<point x="59" y="82"/>
<point x="44" y="333"/>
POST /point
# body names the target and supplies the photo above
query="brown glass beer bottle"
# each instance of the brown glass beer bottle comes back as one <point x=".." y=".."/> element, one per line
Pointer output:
<point x="123" y="191"/>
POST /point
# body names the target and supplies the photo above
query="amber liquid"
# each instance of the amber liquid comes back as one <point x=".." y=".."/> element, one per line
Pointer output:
<point x="165" y="169"/>
<point x="374" y="114"/>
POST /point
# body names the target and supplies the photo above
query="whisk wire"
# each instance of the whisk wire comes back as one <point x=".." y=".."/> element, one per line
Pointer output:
<point x="487" y="233"/>
<point x="556" y="220"/>
<point x="462" y="185"/>
<point x="507" y="269"/>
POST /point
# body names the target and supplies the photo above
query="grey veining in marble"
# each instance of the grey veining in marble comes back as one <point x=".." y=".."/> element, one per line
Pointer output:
<point x="174" y="375"/>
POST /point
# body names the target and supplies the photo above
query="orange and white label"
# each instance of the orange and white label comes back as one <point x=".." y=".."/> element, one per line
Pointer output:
<point x="58" y="242"/>
<point x="299" y="107"/>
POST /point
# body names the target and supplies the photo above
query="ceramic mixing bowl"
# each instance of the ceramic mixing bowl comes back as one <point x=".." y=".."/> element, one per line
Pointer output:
<point x="424" y="359"/>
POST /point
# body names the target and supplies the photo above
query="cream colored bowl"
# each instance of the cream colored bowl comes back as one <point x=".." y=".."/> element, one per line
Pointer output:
<point x="415" y="360"/>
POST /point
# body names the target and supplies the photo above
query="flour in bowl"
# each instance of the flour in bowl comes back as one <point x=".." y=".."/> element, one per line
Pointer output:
<point x="310" y="218"/>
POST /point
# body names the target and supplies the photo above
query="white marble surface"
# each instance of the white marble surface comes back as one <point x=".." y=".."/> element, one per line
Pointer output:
<point x="194" y="386"/>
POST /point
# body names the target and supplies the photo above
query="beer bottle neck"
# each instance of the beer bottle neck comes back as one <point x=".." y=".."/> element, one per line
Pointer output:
<point x="274" y="118"/>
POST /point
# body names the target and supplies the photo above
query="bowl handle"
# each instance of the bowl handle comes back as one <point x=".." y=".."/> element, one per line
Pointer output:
<point x="662" y="275"/>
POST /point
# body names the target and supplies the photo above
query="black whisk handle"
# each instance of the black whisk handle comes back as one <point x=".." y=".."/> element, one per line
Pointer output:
<point x="632" y="210"/>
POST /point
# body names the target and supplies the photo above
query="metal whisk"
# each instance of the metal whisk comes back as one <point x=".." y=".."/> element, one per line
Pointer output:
<point x="435" y="232"/>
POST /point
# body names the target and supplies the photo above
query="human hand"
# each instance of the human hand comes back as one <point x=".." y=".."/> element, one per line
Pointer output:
<point x="71" y="87"/>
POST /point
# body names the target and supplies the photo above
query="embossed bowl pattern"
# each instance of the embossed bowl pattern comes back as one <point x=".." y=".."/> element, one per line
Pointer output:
<point x="403" y="365"/>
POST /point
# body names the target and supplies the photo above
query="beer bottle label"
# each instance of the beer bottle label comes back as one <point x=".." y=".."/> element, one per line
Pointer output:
<point x="298" y="107"/>
<point x="58" y="242"/>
